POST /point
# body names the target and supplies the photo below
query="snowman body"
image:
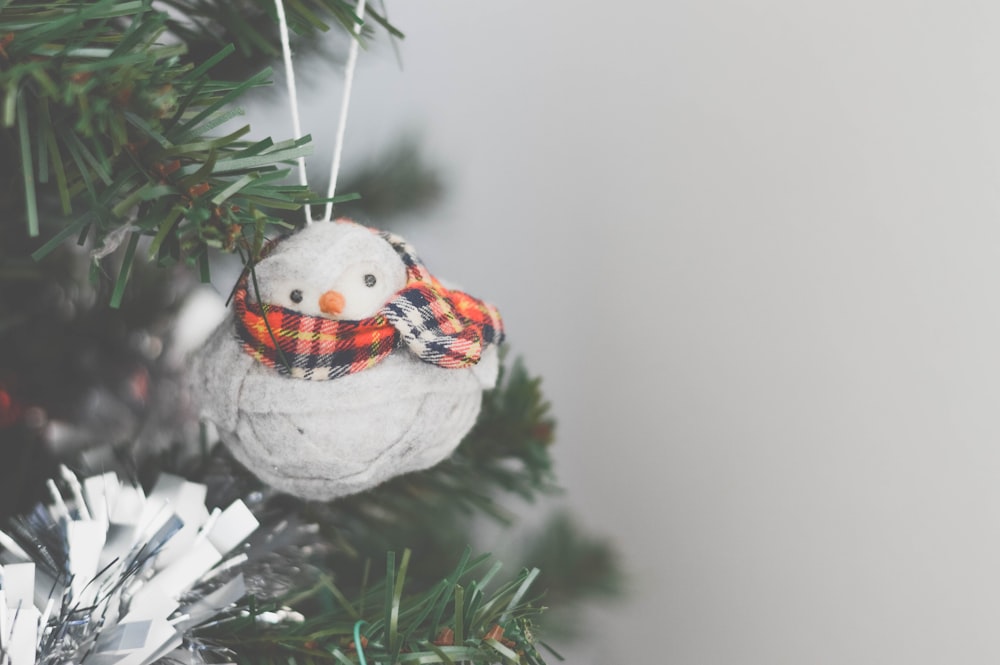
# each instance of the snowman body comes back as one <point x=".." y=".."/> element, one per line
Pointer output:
<point x="320" y="439"/>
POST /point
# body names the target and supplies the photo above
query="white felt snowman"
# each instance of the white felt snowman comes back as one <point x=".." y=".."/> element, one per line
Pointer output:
<point x="345" y="363"/>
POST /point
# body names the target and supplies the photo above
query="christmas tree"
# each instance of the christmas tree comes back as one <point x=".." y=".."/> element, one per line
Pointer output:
<point x="129" y="179"/>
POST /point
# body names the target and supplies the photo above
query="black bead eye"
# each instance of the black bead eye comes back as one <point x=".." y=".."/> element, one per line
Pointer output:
<point x="369" y="280"/>
<point x="296" y="296"/>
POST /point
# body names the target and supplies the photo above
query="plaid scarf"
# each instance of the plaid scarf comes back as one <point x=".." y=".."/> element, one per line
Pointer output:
<point x="440" y="326"/>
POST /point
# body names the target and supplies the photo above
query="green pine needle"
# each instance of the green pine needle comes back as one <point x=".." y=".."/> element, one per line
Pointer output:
<point x="393" y="632"/>
<point x="125" y="271"/>
<point x="27" y="167"/>
<point x="123" y="128"/>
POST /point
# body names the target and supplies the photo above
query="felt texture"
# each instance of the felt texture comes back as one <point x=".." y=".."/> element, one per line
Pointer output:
<point x="331" y="255"/>
<point x="324" y="439"/>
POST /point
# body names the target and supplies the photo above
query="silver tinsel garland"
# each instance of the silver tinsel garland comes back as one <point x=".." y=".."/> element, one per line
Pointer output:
<point x="106" y="575"/>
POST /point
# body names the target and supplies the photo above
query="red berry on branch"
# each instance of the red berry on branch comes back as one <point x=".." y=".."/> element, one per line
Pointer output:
<point x="495" y="633"/>
<point x="10" y="409"/>
<point x="445" y="638"/>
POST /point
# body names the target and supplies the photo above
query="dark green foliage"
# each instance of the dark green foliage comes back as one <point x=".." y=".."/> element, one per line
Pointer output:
<point x="397" y="182"/>
<point x="251" y="25"/>
<point x="76" y="371"/>
<point x="573" y="564"/>
<point x="27" y="464"/>
<point x="575" y="567"/>
<point x="460" y="618"/>
<point x="118" y="126"/>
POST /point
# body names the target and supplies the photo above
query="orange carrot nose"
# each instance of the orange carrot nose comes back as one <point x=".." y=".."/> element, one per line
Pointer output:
<point x="331" y="302"/>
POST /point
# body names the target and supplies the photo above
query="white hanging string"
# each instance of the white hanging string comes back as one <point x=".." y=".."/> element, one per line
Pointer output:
<point x="338" y="146"/>
<point x="293" y="97"/>
<point x="293" y="100"/>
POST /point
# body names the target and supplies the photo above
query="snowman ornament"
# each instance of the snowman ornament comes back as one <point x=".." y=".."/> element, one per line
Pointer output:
<point x="345" y="363"/>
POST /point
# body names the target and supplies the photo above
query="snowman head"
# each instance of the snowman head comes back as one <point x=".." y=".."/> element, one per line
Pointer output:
<point x="338" y="270"/>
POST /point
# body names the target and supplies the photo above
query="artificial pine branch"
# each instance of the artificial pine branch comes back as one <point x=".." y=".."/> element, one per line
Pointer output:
<point x="575" y="565"/>
<point x="120" y="128"/>
<point x="457" y="619"/>
<point x="251" y="25"/>
<point x="398" y="181"/>
<point x="74" y="373"/>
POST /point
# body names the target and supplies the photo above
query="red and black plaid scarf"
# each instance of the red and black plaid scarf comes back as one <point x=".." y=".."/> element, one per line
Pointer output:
<point x="440" y="326"/>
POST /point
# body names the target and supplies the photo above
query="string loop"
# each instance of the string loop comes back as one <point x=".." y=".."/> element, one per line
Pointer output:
<point x="293" y="101"/>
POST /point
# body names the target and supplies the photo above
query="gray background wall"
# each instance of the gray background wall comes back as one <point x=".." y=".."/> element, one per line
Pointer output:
<point x="753" y="249"/>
